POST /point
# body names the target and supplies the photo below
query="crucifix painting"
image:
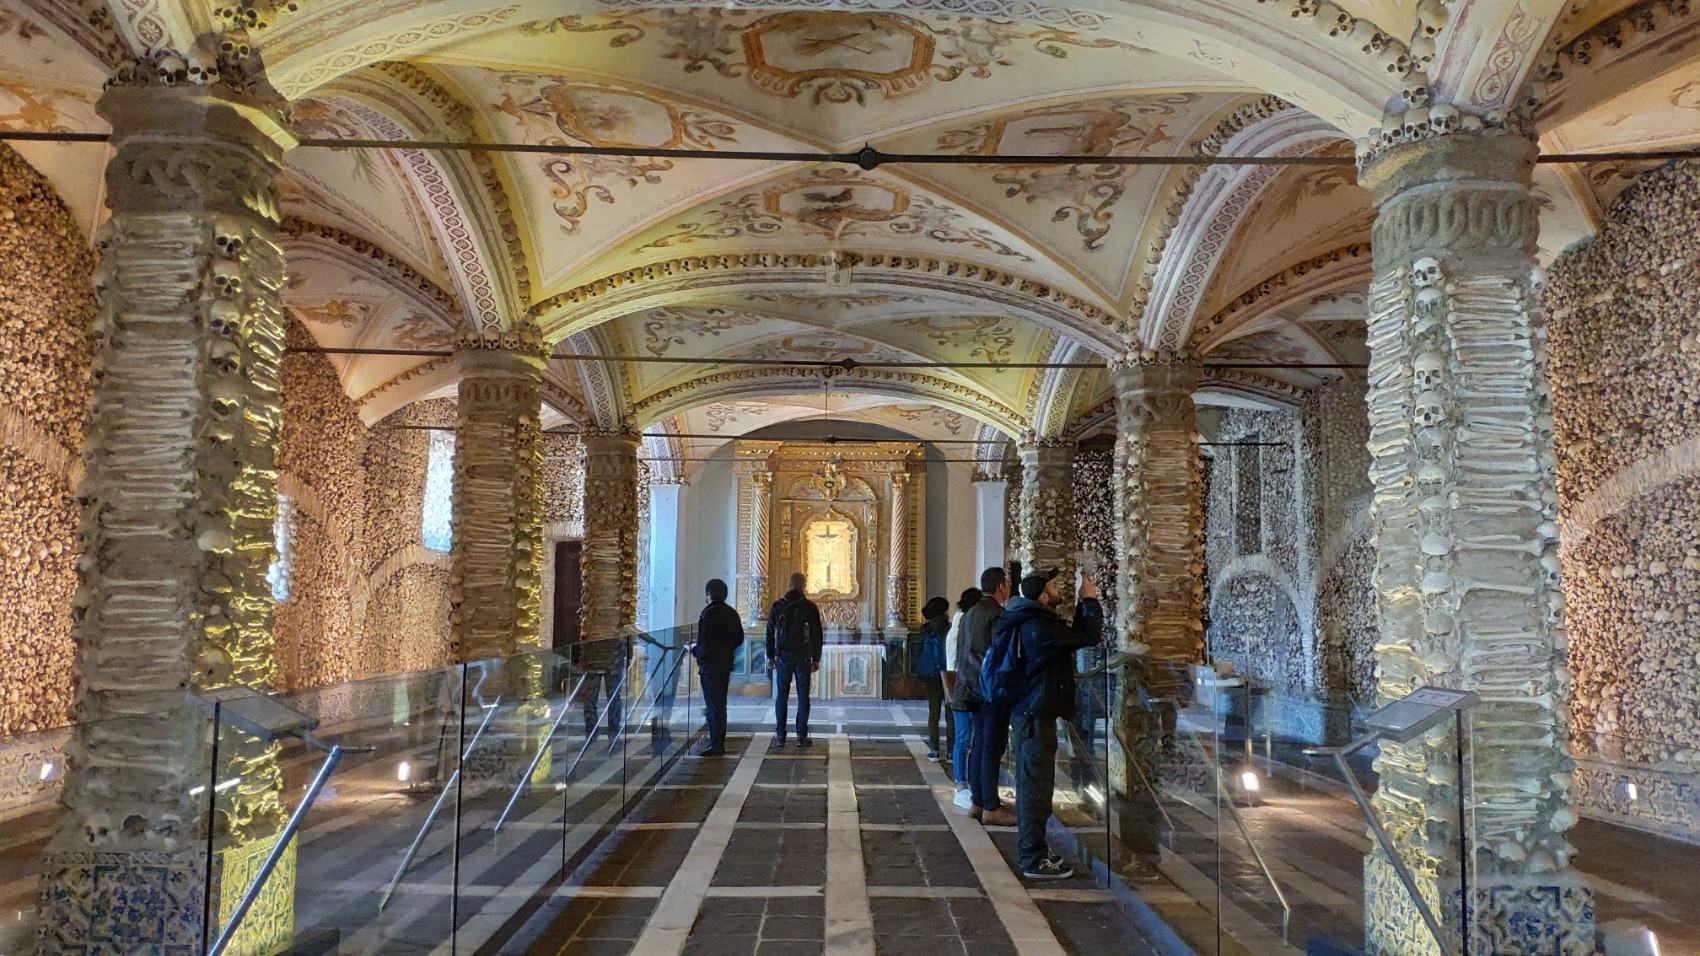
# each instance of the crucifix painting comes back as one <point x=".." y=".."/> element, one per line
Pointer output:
<point x="829" y="555"/>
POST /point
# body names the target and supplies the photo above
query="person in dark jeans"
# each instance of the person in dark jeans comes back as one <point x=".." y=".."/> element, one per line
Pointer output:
<point x="1088" y="710"/>
<point x="1048" y="645"/>
<point x="928" y="666"/>
<point x="991" y="721"/>
<point x="720" y="632"/>
<point x="794" y="645"/>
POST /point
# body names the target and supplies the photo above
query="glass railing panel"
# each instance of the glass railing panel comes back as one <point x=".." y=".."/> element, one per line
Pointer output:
<point x="513" y="800"/>
<point x="364" y="872"/>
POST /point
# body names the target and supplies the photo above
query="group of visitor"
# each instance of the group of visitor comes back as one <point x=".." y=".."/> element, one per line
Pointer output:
<point x="1001" y="660"/>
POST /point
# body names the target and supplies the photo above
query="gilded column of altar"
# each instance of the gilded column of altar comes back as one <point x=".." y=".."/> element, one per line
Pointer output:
<point x="178" y="500"/>
<point x="761" y="503"/>
<point x="496" y="566"/>
<point x="897" y="552"/>
<point x="1466" y="549"/>
<point x="610" y="534"/>
<point x="1159" y="582"/>
<point x="1048" y="538"/>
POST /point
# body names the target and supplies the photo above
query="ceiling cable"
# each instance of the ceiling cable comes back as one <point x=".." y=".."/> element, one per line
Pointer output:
<point x="826" y="440"/>
<point x="868" y="157"/>
<point x="847" y="364"/>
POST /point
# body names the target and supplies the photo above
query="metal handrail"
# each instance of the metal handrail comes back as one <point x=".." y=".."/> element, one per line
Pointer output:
<point x="1381" y="836"/>
<point x="525" y="778"/>
<point x="1120" y="736"/>
<point x="333" y="756"/>
<point x="430" y="818"/>
<point x="672" y="675"/>
<point x="590" y="735"/>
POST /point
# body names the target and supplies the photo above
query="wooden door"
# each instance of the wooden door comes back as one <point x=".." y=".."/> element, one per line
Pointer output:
<point x="569" y="592"/>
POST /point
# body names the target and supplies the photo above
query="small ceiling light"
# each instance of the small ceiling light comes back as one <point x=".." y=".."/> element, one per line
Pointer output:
<point x="404" y="771"/>
<point x="1249" y="782"/>
<point x="1633" y="791"/>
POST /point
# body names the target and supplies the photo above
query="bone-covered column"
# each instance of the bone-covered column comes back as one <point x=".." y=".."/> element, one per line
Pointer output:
<point x="178" y="500"/>
<point x="897" y="552"/>
<point x="610" y="534"/>
<point x="497" y="559"/>
<point x="1466" y="567"/>
<point x="1048" y="538"/>
<point x="1159" y="515"/>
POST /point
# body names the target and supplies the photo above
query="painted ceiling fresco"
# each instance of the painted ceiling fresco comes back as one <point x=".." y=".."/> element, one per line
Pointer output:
<point x="924" y="266"/>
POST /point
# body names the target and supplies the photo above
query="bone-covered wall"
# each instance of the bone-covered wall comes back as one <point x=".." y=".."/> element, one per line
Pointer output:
<point x="1288" y="555"/>
<point x="46" y="304"/>
<point x="1624" y="349"/>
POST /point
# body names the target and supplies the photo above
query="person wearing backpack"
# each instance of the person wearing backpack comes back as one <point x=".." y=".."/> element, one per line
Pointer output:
<point x="794" y="644"/>
<point x="1030" y="664"/>
<point x="991" y="722"/>
<point x="929" y="666"/>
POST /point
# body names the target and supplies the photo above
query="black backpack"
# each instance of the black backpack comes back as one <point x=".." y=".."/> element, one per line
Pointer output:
<point x="1003" y="672"/>
<point x="788" y="632"/>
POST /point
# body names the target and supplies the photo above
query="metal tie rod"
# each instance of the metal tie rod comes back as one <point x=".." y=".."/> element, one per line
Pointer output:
<point x="448" y="787"/>
<point x="520" y="785"/>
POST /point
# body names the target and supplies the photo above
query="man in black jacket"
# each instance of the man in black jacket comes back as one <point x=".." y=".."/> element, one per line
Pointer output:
<point x="1048" y="645"/>
<point x="794" y="643"/>
<point x="991" y="720"/>
<point x="720" y="632"/>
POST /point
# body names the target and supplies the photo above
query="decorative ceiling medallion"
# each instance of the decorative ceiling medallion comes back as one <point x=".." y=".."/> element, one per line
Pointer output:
<point x="835" y="202"/>
<point x="721" y="414"/>
<point x="344" y="312"/>
<point x="825" y="201"/>
<point x="839" y="57"/>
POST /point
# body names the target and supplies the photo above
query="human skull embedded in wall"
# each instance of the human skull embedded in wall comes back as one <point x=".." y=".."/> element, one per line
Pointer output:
<point x="1430" y="410"/>
<point x="1425" y="272"/>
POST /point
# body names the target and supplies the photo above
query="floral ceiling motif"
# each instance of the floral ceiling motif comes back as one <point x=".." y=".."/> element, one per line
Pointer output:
<point x="348" y="313"/>
<point x="944" y="418"/>
<point x="1083" y="194"/>
<point x="552" y="111"/>
<point x="721" y="414"/>
<point x="984" y="337"/>
<point x="835" y="202"/>
<point x="836" y="57"/>
<point x="667" y="327"/>
<point x="824" y="302"/>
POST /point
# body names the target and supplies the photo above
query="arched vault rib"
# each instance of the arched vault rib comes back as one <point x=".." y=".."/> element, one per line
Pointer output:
<point x="675" y="280"/>
<point x="1487" y="51"/>
<point x="790" y="380"/>
<point x="1219" y="204"/>
<point x="451" y="189"/>
<point x="1348" y="267"/>
<point x="330" y="38"/>
<point x="1057" y="393"/>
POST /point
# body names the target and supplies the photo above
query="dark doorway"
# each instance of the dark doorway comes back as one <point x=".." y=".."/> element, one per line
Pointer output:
<point x="569" y="592"/>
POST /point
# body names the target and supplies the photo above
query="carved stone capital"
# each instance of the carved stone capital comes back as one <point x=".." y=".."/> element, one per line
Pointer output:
<point x="1459" y="199"/>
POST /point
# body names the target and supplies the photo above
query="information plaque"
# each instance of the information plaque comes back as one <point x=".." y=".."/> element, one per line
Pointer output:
<point x="254" y="713"/>
<point x="1418" y="712"/>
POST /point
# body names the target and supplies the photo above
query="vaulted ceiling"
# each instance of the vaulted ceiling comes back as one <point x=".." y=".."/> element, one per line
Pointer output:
<point x="926" y="266"/>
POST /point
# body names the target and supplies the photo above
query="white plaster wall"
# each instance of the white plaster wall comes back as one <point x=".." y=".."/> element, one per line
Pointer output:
<point x="952" y="528"/>
<point x="708" y="519"/>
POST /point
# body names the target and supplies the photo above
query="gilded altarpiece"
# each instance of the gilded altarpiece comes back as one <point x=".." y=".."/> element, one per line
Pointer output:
<point x="851" y="519"/>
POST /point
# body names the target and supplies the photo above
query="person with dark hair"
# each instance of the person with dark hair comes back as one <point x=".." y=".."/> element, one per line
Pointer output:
<point x="1042" y="648"/>
<point x="720" y="632"/>
<point x="991" y="721"/>
<point x="794" y="644"/>
<point x="928" y="665"/>
<point x="961" y="720"/>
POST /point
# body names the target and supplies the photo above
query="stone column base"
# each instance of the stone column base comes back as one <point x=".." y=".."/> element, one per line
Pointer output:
<point x="111" y="902"/>
<point x="1549" y="915"/>
<point x="269" y="926"/>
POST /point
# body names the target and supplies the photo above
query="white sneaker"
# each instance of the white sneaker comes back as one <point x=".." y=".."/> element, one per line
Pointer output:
<point x="964" y="799"/>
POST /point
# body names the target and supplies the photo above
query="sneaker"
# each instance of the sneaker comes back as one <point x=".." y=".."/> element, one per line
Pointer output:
<point x="933" y="755"/>
<point x="805" y="743"/>
<point x="1049" y="869"/>
<point x="778" y="741"/>
<point x="711" y="752"/>
<point x="997" y="818"/>
<point x="964" y="798"/>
